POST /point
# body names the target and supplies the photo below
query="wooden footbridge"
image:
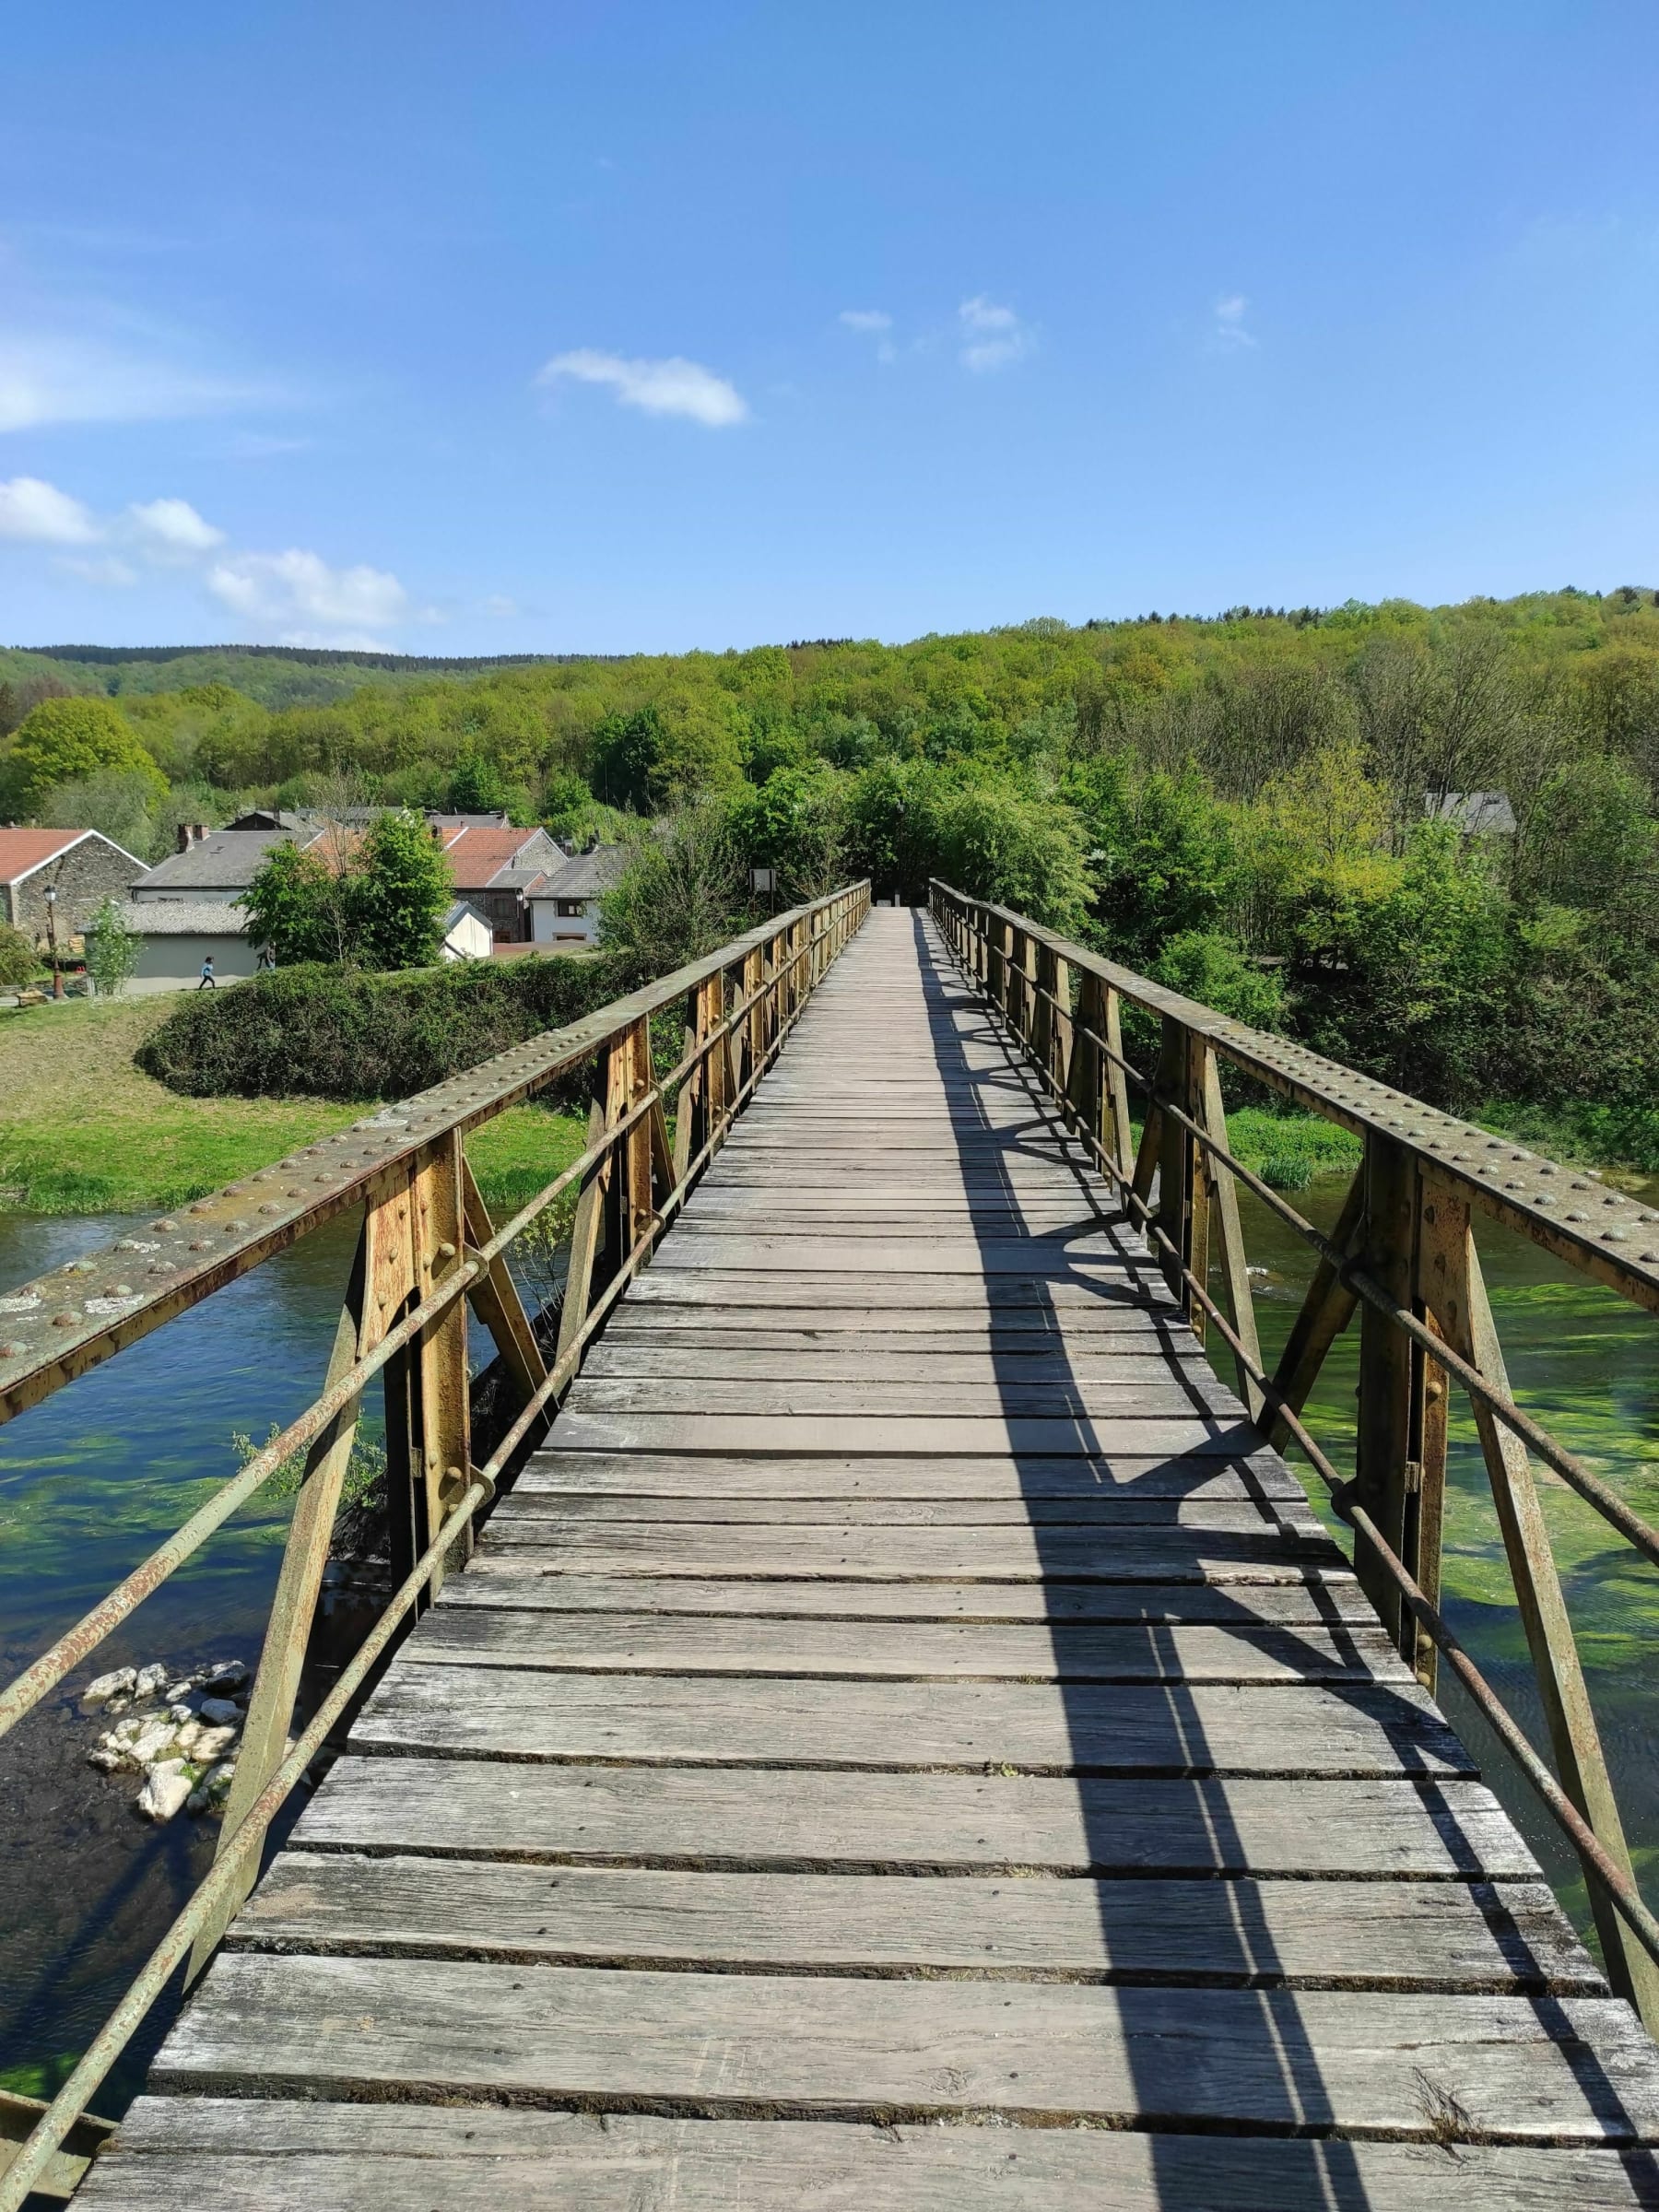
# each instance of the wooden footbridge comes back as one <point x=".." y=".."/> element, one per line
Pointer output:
<point x="904" y="1740"/>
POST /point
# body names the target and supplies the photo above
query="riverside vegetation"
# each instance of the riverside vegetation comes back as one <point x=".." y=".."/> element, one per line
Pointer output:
<point x="1270" y="811"/>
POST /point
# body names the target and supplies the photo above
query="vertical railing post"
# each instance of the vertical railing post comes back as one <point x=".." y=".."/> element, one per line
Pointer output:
<point x="1086" y="1076"/>
<point x="1387" y="1475"/>
<point x="1042" y="1028"/>
<point x="1122" y="1145"/>
<point x="391" y="1293"/>
<point x="440" y="1219"/>
<point x="1163" y="1152"/>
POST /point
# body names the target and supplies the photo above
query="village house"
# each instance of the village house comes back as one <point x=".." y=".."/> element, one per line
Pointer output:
<point x="494" y="869"/>
<point x="564" y="904"/>
<point x="82" y="867"/>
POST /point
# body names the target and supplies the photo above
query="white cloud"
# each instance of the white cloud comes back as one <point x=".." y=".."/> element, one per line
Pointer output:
<point x="55" y="379"/>
<point x="306" y="601"/>
<point x="991" y="336"/>
<point x="667" y="387"/>
<point x="41" y="514"/>
<point x="867" y="318"/>
<point x="172" y="530"/>
<point x="1230" y="333"/>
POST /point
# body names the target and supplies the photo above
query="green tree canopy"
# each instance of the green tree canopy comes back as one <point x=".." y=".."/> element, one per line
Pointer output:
<point x="62" y="739"/>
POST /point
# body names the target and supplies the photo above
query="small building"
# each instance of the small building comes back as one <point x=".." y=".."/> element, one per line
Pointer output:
<point x="564" y="902"/>
<point x="494" y="869"/>
<point x="1476" y="813"/>
<point x="179" y="934"/>
<point x="83" y="866"/>
<point x="212" y="867"/>
<point x="466" y="935"/>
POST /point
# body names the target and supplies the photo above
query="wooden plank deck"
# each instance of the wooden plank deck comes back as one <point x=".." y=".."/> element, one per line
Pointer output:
<point x="903" y="1744"/>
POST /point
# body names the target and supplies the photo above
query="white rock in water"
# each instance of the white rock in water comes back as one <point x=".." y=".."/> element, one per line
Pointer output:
<point x="105" y="1759"/>
<point x="110" y="1685"/>
<point x="211" y="1743"/>
<point x="157" y="1738"/>
<point x="165" y="1790"/>
<point x="182" y="1688"/>
<point x="219" y="1712"/>
<point x="224" y="1674"/>
<point x="181" y="1712"/>
<point x="151" y="1680"/>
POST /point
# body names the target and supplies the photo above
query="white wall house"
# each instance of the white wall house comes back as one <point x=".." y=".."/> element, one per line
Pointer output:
<point x="179" y="933"/>
<point x="564" y="902"/>
<point x="466" y="935"/>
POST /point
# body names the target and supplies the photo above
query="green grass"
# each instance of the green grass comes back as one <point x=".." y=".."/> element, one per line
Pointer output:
<point x="1622" y="1137"/>
<point x="83" y="1132"/>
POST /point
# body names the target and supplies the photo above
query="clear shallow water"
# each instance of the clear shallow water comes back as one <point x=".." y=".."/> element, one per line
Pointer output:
<point x="89" y="1482"/>
<point x="93" y="1479"/>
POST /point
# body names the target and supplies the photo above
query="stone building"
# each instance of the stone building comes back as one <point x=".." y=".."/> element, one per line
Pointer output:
<point x="82" y="866"/>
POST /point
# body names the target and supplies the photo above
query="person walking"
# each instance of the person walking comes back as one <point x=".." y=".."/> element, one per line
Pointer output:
<point x="209" y="981"/>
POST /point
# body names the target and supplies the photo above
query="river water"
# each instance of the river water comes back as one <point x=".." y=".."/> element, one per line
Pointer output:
<point x="91" y="1479"/>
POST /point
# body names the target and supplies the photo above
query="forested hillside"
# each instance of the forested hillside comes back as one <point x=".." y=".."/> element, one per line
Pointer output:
<point x="1255" y="807"/>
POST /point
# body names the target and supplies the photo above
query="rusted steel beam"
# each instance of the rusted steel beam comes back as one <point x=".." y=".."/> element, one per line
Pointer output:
<point x="1602" y="1231"/>
<point x="64" y="1322"/>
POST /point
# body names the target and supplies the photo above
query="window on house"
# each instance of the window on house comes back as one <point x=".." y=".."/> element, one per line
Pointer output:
<point x="569" y="909"/>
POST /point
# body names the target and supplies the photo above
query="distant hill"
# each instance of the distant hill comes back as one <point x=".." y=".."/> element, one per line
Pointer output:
<point x="277" y="676"/>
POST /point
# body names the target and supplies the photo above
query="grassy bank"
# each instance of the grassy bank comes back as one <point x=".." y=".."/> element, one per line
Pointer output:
<point x="83" y="1132"/>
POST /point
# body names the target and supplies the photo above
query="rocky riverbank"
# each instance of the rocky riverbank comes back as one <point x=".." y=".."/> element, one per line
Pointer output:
<point x="182" y="1732"/>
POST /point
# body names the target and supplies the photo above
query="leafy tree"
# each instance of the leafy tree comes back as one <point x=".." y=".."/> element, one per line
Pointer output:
<point x="1161" y="857"/>
<point x="1213" y="969"/>
<point x="627" y="757"/>
<point x="477" y="786"/>
<point x="792" y="823"/>
<point x="400" y="888"/>
<point x="117" y="801"/>
<point x="112" y="949"/>
<point x="682" y="896"/>
<point x="295" y="907"/>
<point x="65" y="739"/>
<point x="1025" y="852"/>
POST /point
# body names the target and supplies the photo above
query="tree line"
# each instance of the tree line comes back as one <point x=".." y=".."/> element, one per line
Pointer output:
<point x="1271" y="811"/>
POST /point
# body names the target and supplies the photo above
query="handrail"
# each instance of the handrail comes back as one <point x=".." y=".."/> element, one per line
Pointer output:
<point x="1404" y="1256"/>
<point x="426" y="1246"/>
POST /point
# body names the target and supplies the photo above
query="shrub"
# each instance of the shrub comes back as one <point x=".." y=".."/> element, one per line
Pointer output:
<point x="344" y="1033"/>
<point x="18" y="960"/>
<point x="112" y="949"/>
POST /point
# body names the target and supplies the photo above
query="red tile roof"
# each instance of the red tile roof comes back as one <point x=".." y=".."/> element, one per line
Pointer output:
<point x="21" y="850"/>
<point x="477" y="854"/>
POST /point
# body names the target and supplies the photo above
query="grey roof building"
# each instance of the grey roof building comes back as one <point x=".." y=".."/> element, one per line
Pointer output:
<point x="217" y="865"/>
<point x="1476" y="813"/>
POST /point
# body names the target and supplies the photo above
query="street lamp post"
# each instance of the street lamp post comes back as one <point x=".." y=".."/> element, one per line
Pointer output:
<point x="57" y="973"/>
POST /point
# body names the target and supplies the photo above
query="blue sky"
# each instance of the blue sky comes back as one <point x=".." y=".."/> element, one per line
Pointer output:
<point x="601" y="325"/>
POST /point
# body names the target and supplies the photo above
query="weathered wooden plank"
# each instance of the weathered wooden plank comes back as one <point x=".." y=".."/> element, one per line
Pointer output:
<point x="1090" y="1436"/>
<point x="1428" y="1935"/>
<point x="903" y="1554"/>
<point x="766" y="2045"/>
<point x="533" y="1579"/>
<point x="660" y="1356"/>
<point x="503" y="1712"/>
<point x="920" y="1290"/>
<point x="905" y="1651"/>
<point x="279" y="2157"/>
<point x="1109" y="1511"/>
<point x="1085" y="1258"/>
<point x="683" y="1474"/>
<point x="1162" y="1396"/>
<point x="782" y="1819"/>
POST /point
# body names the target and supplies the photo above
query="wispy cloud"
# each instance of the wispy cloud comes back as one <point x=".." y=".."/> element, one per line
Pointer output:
<point x="1228" y="333"/>
<point x="867" y="318"/>
<point x="990" y="337"/>
<point x="172" y="530"/>
<point x="306" y="601"/>
<point x="38" y="513"/>
<point x="48" y="380"/>
<point x="674" y="386"/>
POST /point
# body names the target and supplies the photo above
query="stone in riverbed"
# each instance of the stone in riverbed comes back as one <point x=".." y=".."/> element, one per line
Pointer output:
<point x="106" y="1758"/>
<point x="166" y="1790"/>
<point x="109" y="1686"/>
<point x="211" y="1743"/>
<point x="219" y="1712"/>
<point x="157" y="1738"/>
<point x="224" y="1674"/>
<point x="151" y="1680"/>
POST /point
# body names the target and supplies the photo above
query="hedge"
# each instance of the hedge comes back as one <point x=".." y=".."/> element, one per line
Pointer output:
<point x="328" y="1033"/>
